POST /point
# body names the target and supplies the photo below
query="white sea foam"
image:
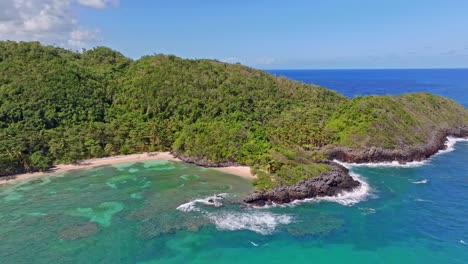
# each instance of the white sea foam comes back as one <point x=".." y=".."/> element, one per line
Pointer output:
<point x="345" y="198"/>
<point x="449" y="147"/>
<point x="463" y="242"/>
<point x="367" y="211"/>
<point x="191" y="206"/>
<point x="253" y="244"/>
<point x="424" y="181"/>
<point x="260" y="222"/>
<point x="392" y="164"/>
<point x="450" y="144"/>
<point x="422" y="200"/>
<point x="350" y="198"/>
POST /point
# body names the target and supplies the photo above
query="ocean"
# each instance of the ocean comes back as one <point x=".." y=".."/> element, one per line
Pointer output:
<point x="156" y="212"/>
<point x="452" y="83"/>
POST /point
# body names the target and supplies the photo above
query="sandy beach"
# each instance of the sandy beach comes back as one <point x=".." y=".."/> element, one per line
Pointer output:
<point x="241" y="171"/>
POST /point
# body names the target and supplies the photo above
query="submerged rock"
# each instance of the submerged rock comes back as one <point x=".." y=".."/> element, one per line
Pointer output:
<point x="78" y="231"/>
<point x="315" y="225"/>
<point x="169" y="223"/>
<point x="330" y="183"/>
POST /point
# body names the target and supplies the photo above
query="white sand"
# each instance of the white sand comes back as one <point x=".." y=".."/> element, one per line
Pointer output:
<point x="242" y="171"/>
<point x="91" y="163"/>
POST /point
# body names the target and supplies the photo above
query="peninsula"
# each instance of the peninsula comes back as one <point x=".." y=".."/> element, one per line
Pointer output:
<point x="60" y="107"/>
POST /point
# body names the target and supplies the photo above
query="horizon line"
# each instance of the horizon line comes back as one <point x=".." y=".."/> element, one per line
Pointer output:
<point x="367" y="69"/>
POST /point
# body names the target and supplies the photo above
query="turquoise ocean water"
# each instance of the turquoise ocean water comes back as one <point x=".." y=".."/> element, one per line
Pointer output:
<point x="156" y="212"/>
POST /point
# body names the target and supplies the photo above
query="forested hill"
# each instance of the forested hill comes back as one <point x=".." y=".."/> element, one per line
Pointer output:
<point x="58" y="106"/>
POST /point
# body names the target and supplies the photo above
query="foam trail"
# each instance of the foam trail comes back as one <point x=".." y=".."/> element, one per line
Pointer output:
<point x="463" y="242"/>
<point x="253" y="244"/>
<point x="367" y="211"/>
<point x="424" y="181"/>
<point x="422" y="200"/>
<point x="263" y="223"/>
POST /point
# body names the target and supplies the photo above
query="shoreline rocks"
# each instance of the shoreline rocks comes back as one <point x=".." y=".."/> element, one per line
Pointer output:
<point x="338" y="180"/>
<point x="408" y="154"/>
<point x="330" y="183"/>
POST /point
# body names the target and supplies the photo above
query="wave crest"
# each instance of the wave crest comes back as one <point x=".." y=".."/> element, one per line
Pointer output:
<point x="450" y="144"/>
<point x="423" y="181"/>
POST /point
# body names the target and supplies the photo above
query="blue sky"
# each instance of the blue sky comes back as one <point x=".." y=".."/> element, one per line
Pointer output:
<point x="272" y="34"/>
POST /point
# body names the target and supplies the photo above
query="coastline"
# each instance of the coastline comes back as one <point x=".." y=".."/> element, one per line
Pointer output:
<point x="439" y="142"/>
<point x="343" y="188"/>
<point x="241" y="171"/>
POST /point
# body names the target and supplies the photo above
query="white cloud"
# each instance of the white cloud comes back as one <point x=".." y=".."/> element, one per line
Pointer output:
<point x="79" y="37"/>
<point x="100" y="4"/>
<point x="48" y="21"/>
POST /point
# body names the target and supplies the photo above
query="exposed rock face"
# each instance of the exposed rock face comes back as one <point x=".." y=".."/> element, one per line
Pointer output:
<point x="338" y="180"/>
<point x="329" y="183"/>
<point x="403" y="155"/>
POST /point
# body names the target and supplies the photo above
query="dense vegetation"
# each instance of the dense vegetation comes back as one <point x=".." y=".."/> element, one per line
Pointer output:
<point x="58" y="106"/>
<point x="394" y="121"/>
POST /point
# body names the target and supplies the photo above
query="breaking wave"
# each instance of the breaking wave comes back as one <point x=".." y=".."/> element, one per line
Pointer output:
<point x="424" y="181"/>
<point x="412" y="164"/>
<point x="254" y="244"/>
<point x="347" y="198"/>
<point x="449" y="147"/>
<point x="450" y="144"/>
<point x="214" y="200"/>
<point x="260" y="222"/>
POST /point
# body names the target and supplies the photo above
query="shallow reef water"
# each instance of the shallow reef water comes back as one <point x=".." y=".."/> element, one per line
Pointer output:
<point x="183" y="213"/>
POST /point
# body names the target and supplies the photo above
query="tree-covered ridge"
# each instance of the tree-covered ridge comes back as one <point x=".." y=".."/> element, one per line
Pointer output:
<point x="393" y="122"/>
<point x="58" y="106"/>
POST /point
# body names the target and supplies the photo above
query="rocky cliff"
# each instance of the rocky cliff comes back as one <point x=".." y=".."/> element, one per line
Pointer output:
<point x="329" y="183"/>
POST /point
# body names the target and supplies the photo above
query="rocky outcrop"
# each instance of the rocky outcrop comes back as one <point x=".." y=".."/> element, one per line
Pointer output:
<point x="329" y="183"/>
<point x="403" y="155"/>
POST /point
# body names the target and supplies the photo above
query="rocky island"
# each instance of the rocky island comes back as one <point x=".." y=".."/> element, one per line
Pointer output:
<point x="59" y="106"/>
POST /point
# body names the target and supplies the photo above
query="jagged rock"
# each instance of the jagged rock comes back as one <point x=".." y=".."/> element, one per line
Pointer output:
<point x="329" y="183"/>
<point x="402" y="155"/>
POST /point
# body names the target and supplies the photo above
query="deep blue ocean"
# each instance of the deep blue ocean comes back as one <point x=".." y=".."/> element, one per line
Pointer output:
<point x="451" y="83"/>
<point x="155" y="212"/>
